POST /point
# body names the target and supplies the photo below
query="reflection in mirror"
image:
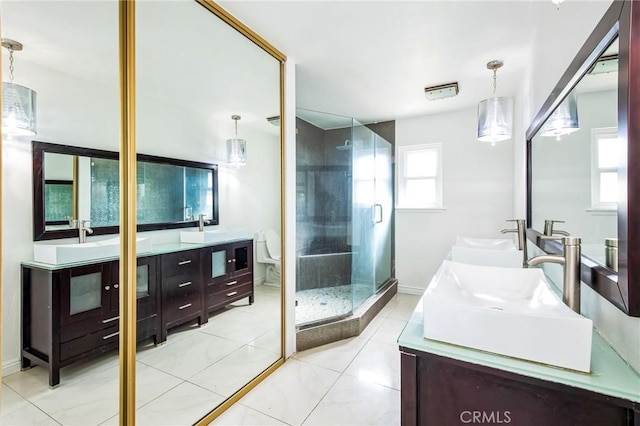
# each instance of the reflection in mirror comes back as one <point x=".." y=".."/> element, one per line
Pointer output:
<point x="222" y="325"/>
<point x="70" y="59"/>
<point x="574" y="173"/>
<point x="72" y="183"/>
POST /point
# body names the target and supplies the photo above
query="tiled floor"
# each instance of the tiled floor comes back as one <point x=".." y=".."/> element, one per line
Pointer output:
<point x="177" y="382"/>
<point x="351" y="382"/>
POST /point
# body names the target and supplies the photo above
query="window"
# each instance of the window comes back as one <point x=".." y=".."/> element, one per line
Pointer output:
<point x="605" y="154"/>
<point x="420" y="176"/>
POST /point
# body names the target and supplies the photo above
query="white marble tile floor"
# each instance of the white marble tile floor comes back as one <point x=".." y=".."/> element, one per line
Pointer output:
<point x="352" y="382"/>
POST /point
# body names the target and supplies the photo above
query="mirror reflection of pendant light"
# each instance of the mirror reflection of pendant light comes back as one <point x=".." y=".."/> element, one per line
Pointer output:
<point x="18" y="102"/>
<point x="564" y="119"/>
<point x="237" y="148"/>
<point x="495" y="115"/>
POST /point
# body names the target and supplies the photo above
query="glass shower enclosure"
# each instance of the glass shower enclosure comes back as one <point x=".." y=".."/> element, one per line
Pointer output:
<point x="344" y="215"/>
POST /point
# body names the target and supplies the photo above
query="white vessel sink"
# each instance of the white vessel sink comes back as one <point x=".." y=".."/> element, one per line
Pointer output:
<point x="60" y="252"/>
<point x="506" y="311"/>
<point x="486" y="243"/>
<point x="216" y="236"/>
<point x="486" y="252"/>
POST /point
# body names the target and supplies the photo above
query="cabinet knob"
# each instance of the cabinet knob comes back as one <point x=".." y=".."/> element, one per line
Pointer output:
<point x="116" y="285"/>
<point x="107" y="287"/>
<point x="234" y="261"/>
<point x="229" y="261"/>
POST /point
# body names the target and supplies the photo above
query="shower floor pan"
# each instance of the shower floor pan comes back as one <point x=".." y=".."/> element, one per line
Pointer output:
<point x="324" y="315"/>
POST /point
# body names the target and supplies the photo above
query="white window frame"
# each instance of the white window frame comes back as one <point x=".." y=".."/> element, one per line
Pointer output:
<point x="596" y="135"/>
<point x="401" y="181"/>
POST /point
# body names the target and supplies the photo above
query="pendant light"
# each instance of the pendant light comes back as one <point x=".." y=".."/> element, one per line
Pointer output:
<point x="564" y="119"/>
<point x="236" y="147"/>
<point x="18" y="102"/>
<point x="495" y="115"/>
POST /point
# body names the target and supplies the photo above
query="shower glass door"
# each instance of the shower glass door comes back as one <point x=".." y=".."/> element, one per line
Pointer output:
<point x="371" y="213"/>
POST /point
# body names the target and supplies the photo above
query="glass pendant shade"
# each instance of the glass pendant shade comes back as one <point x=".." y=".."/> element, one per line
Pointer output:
<point x="495" y="119"/>
<point x="564" y="119"/>
<point x="237" y="151"/>
<point x="18" y="110"/>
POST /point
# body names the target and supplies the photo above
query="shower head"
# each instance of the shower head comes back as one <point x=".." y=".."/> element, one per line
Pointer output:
<point x="345" y="147"/>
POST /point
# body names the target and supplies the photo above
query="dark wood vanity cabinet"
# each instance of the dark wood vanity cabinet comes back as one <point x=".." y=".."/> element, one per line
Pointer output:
<point x="181" y="289"/>
<point x="72" y="313"/>
<point x="69" y="314"/>
<point x="437" y="390"/>
<point x="228" y="274"/>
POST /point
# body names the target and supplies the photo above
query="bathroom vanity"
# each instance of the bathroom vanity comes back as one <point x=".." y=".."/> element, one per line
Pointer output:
<point x="71" y="311"/>
<point x="449" y="384"/>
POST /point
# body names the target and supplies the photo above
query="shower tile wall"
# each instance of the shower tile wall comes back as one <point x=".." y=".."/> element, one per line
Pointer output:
<point x="323" y="207"/>
<point x="323" y="187"/>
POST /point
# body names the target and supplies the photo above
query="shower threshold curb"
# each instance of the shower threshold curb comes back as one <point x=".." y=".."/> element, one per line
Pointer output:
<point x="311" y="336"/>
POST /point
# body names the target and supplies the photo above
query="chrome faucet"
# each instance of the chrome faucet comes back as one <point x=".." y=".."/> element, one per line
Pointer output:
<point x="548" y="228"/>
<point x="521" y="230"/>
<point x="570" y="261"/>
<point x="201" y="222"/>
<point x="83" y="229"/>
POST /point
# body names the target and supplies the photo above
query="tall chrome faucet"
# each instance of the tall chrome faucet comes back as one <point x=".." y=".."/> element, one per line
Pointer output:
<point x="201" y="222"/>
<point x="548" y="228"/>
<point x="570" y="261"/>
<point x="521" y="230"/>
<point x="83" y="229"/>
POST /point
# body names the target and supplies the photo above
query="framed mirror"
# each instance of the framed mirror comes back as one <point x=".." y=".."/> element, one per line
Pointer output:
<point x="73" y="183"/>
<point x="578" y="148"/>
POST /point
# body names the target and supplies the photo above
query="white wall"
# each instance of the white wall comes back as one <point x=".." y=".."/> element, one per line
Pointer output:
<point x="477" y="194"/>
<point x="77" y="112"/>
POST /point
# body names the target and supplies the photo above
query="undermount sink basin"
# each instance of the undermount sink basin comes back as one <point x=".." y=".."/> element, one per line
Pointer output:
<point x="506" y="311"/>
<point x="216" y="236"/>
<point x="60" y="253"/>
<point x="486" y="252"/>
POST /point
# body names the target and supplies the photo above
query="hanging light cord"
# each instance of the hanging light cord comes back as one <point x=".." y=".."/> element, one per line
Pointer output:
<point x="11" y="65"/>
<point x="236" y="121"/>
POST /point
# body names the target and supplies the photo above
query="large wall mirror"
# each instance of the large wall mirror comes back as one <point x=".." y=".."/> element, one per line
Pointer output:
<point x="578" y="148"/>
<point x="72" y="183"/>
<point x="195" y="67"/>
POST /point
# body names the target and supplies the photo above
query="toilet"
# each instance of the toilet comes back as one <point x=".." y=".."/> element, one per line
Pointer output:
<point x="268" y="252"/>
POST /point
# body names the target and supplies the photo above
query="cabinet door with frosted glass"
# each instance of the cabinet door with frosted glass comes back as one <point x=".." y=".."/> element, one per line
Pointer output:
<point x="85" y="293"/>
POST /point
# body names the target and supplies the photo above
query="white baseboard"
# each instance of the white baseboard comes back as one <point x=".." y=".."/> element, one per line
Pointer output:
<point x="10" y="367"/>
<point x="417" y="291"/>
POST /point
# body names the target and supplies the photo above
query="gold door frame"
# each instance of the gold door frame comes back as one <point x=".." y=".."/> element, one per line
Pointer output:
<point x="128" y="205"/>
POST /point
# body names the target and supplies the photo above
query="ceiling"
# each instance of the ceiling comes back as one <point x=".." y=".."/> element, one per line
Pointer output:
<point x="372" y="59"/>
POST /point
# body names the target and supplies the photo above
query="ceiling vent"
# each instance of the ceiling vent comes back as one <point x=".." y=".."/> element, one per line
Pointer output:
<point x="442" y="91"/>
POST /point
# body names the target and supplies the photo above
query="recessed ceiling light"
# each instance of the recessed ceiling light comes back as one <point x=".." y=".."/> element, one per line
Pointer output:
<point x="442" y="91"/>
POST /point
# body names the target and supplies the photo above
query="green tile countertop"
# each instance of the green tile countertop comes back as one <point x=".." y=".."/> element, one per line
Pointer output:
<point x="157" y="249"/>
<point x="610" y="375"/>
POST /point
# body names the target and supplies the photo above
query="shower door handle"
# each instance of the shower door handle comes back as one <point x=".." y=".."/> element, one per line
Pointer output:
<point x="377" y="213"/>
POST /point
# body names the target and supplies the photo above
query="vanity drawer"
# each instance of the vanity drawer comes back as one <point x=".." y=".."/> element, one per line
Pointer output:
<point x="181" y="263"/>
<point x="229" y="296"/>
<point x="94" y="325"/>
<point x="107" y="337"/>
<point x="187" y="306"/>
<point x="229" y="285"/>
<point x="180" y="285"/>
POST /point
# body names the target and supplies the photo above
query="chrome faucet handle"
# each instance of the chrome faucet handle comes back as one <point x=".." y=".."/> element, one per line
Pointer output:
<point x="83" y="225"/>
<point x="73" y="223"/>
<point x="548" y="228"/>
